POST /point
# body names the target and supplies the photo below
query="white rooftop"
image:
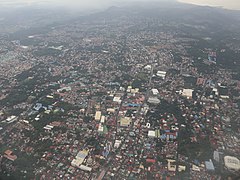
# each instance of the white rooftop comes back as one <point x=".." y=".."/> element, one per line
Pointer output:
<point x="232" y="163"/>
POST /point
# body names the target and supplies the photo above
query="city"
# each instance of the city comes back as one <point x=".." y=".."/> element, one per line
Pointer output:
<point x="118" y="95"/>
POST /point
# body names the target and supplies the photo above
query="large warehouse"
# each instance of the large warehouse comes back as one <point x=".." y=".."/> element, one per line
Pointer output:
<point x="232" y="163"/>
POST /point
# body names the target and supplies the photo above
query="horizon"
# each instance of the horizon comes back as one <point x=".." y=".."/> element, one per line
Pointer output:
<point x="96" y="4"/>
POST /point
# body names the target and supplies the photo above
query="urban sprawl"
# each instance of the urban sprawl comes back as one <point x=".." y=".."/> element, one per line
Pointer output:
<point x="116" y="100"/>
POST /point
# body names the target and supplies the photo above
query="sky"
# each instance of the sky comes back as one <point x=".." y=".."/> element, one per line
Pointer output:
<point x="229" y="4"/>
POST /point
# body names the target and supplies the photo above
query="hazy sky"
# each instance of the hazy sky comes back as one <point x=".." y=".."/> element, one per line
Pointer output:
<point x="230" y="4"/>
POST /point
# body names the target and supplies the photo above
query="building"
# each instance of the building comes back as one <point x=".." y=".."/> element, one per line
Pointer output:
<point x="232" y="163"/>
<point x="102" y="119"/>
<point x="151" y="134"/>
<point x="155" y="92"/>
<point x="125" y="121"/>
<point x="186" y="93"/>
<point x="171" y="165"/>
<point x="100" y="128"/>
<point x="110" y="110"/>
<point x="37" y="106"/>
<point x="64" y="89"/>
<point x="98" y="115"/>
<point x="153" y="100"/>
<point x="148" y="67"/>
<point x="85" y="168"/>
<point x="209" y="165"/>
<point x="181" y="168"/>
<point x="117" y="143"/>
<point x="150" y="160"/>
<point x="212" y="57"/>
<point x="77" y="162"/>
<point x="216" y="156"/>
<point x="161" y="74"/>
<point x="117" y="99"/>
<point x="9" y="155"/>
<point x="201" y="81"/>
<point x="11" y="119"/>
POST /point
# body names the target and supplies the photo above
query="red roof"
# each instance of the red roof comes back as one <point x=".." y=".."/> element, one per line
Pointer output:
<point x="151" y="160"/>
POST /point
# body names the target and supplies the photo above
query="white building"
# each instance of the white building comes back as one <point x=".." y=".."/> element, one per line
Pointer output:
<point x="102" y="119"/>
<point x="148" y="67"/>
<point x="155" y="92"/>
<point x="151" y="134"/>
<point x="85" y="168"/>
<point x="232" y="163"/>
<point x="117" y="143"/>
<point x="186" y="93"/>
<point x="161" y="74"/>
<point x="98" y="115"/>
<point x="153" y="100"/>
<point x="11" y="119"/>
<point x="117" y="99"/>
<point x="100" y="128"/>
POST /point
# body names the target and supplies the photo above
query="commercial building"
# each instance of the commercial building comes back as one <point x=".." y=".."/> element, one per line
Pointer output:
<point x="153" y="100"/>
<point x="209" y="165"/>
<point x="186" y="93"/>
<point x="161" y="74"/>
<point x="98" y="115"/>
<point x="125" y="121"/>
<point x="151" y="134"/>
<point x="171" y="165"/>
<point x="232" y="163"/>
<point x="11" y="119"/>
<point x="85" y="168"/>
<point x="79" y="158"/>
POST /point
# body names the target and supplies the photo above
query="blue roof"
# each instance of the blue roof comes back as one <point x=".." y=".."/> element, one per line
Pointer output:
<point x="134" y="104"/>
<point x="209" y="165"/>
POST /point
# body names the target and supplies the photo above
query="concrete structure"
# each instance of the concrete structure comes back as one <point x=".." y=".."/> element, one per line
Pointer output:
<point x="151" y="134"/>
<point x="64" y="89"/>
<point x="9" y="155"/>
<point x="155" y="92"/>
<point x="102" y="119"/>
<point x="117" y="99"/>
<point x="125" y="121"/>
<point x="85" y="168"/>
<point x="11" y="119"/>
<point x="232" y="163"/>
<point x="110" y="110"/>
<point x="98" y="115"/>
<point x="117" y="143"/>
<point x="209" y="165"/>
<point x="37" y="106"/>
<point x="100" y="128"/>
<point x="171" y="165"/>
<point x="186" y="93"/>
<point x="153" y="100"/>
<point x="148" y="67"/>
<point x="161" y="74"/>
<point x="79" y="158"/>
<point x="216" y="156"/>
<point x="181" y="168"/>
